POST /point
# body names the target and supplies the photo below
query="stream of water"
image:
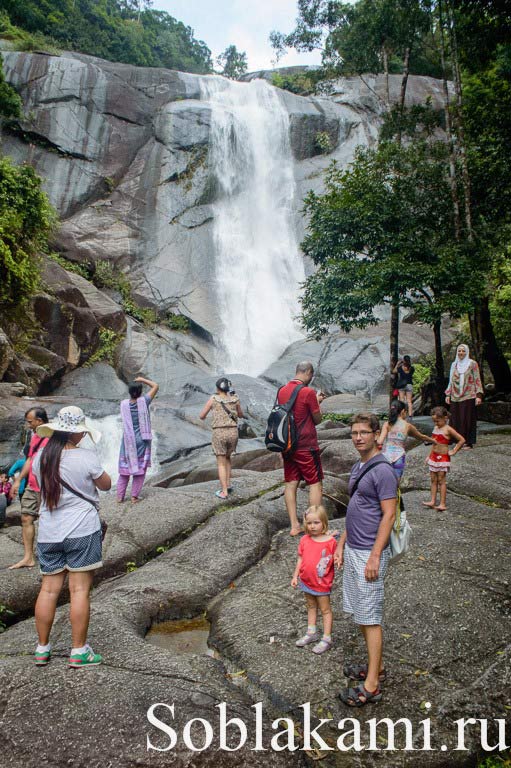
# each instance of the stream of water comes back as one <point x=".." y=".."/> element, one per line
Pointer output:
<point x="259" y="267"/>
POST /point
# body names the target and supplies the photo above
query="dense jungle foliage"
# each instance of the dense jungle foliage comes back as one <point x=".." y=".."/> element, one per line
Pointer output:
<point x="128" y="31"/>
<point x="423" y="220"/>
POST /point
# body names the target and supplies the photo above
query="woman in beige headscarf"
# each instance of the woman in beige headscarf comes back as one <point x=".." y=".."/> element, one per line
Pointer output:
<point x="464" y="393"/>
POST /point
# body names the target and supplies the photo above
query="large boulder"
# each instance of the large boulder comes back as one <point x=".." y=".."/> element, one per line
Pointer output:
<point x="6" y="353"/>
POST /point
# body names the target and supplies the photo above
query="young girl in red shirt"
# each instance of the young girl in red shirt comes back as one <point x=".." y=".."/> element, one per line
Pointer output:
<point x="314" y="574"/>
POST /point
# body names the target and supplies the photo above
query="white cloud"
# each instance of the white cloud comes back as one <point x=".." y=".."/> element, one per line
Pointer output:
<point x="244" y="23"/>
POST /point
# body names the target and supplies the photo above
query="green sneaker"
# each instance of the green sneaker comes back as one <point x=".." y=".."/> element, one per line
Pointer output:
<point x="87" y="659"/>
<point x="42" y="658"/>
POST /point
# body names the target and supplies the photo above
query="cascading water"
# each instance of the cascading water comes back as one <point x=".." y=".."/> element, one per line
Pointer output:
<point x="258" y="264"/>
<point x="108" y="447"/>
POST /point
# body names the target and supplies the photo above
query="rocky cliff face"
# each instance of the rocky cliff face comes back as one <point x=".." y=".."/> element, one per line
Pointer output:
<point x="125" y="154"/>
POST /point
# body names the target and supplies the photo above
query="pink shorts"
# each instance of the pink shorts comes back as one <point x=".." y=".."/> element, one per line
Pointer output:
<point x="439" y="462"/>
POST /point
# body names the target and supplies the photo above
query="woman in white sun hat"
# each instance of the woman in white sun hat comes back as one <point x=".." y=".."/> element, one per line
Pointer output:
<point x="69" y="537"/>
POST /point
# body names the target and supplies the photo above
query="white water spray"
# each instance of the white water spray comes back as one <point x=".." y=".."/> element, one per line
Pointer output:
<point x="258" y="263"/>
<point x="110" y="443"/>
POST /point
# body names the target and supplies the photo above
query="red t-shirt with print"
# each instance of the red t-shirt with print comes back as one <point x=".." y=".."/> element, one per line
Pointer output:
<point x="317" y="566"/>
<point x="305" y="405"/>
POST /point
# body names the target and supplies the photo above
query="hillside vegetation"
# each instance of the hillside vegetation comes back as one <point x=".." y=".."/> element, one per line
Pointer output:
<point x="118" y="30"/>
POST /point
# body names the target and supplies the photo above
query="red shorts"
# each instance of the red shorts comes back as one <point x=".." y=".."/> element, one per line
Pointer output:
<point x="303" y="465"/>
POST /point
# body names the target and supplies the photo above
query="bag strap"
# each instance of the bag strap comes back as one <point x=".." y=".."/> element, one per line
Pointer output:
<point x="94" y="503"/>
<point x="290" y="403"/>
<point x="364" y="472"/>
<point x="36" y="447"/>
<point x="228" y="412"/>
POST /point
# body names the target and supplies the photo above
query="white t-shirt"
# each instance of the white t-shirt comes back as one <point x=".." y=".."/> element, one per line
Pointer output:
<point x="73" y="517"/>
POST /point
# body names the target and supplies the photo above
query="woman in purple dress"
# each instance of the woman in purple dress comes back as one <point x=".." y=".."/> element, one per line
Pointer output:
<point x="135" y="453"/>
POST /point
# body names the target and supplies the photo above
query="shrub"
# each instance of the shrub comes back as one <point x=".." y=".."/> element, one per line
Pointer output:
<point x="26" y="221"/>
<point x="70" y="266"/>
<point x="422" y="375"/>
<point x="108" y="342"/>
<point x="177" y="322"/>
<point x="4" y="614"/>
<point x="299" y="83"/>
<point x="105" y="276"/>
<point x="323" y="142"/>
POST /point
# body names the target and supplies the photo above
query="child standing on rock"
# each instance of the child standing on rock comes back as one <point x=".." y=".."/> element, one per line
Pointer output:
<point x="314" y="575"/>
<point x="439" y="460"/>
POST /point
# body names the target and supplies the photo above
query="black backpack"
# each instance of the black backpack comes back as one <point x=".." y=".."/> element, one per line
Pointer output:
<point x="281" y="432"/>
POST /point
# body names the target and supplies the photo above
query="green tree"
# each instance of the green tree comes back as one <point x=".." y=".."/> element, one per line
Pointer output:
<point x="233" y="63"/>
<point x="383" y="232"/>
<point x="26" y="220"/>
<point x="118" y="30"/>
<point x="367" y="36"/>
<point x="10" y="102"/>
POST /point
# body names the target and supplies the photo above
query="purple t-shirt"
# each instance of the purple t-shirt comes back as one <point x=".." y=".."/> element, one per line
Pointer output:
<point x="363" y="516"/>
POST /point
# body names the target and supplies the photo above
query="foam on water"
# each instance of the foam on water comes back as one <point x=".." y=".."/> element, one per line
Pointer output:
<point x="259" y="267"/>
<point x="108" y="447"/>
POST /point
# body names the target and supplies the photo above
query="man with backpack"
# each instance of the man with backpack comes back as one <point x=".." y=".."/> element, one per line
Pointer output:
<point x="363" y="552"/>
<point x="302" y="461"/>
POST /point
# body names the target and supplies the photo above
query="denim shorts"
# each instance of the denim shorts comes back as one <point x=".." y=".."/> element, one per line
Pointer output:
<point x="81" y="554"/>
<point x="309" y="591"/>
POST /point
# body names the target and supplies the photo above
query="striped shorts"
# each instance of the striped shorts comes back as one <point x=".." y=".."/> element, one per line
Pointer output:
<point x="361" y="598"/>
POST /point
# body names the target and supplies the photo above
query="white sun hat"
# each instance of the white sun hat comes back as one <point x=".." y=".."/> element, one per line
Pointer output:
<point x="69" y="419"/>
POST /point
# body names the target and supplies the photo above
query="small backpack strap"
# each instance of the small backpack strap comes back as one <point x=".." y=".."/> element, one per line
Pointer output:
<point x="364" y="472"/>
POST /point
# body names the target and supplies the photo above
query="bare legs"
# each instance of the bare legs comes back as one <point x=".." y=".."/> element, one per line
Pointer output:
<point x="373" y="636"/>
<point x="438" y="484"/>
<point x="312" y="602"/>
<point x="442" y="487"/>
<point x="315" y="498"/>
<point x="28" y="535"/>
<point x="79" y="588"/>
<point x="224" y="473"/>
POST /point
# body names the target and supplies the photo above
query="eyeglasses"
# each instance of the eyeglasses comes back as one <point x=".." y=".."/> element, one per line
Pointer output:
<point x="362" y="433"/>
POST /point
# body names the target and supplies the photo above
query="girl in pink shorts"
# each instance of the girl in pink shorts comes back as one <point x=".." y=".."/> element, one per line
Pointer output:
<point x="439" y="460"/>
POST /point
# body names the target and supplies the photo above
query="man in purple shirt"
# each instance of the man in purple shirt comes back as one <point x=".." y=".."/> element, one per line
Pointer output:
<point x="364" y="552"/>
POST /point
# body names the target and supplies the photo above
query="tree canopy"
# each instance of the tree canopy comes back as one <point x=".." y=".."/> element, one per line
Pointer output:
<point x="128" y="31"/>
<point x="417" y="220"/>
<point x="233" y="63"/>
<point x="383" y="232"/>
<point x="26" y="220"/>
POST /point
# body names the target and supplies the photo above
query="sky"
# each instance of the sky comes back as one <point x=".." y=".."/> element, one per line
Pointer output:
<point x="244" y="23"/>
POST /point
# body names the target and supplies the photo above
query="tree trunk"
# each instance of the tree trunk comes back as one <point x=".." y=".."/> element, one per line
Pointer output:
<point x="402" y="95"/>
<point x="394" y="344"/>
<point x="448" y="129"/>
<point x="439" y="364"/>
<point x="465" y="175"/>
<point x="386" y="72"/>
<point x="488" y="348"/>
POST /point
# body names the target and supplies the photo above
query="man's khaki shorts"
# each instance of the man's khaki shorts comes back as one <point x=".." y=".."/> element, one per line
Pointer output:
<point x="30" y="503"/>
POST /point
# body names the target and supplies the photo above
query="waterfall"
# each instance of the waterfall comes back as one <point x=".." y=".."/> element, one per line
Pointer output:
<point x="258" y="263"/>
<point x="108" y="447"/>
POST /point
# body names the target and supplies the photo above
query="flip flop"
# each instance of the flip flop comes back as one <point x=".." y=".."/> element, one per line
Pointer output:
<point x="221" y="495"/>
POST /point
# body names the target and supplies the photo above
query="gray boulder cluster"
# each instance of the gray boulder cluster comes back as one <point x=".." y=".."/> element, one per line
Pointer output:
<point x="181" y="554"/>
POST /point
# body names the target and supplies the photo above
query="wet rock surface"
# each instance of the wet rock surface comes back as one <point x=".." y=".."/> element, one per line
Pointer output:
<point x="446" y="629"/>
